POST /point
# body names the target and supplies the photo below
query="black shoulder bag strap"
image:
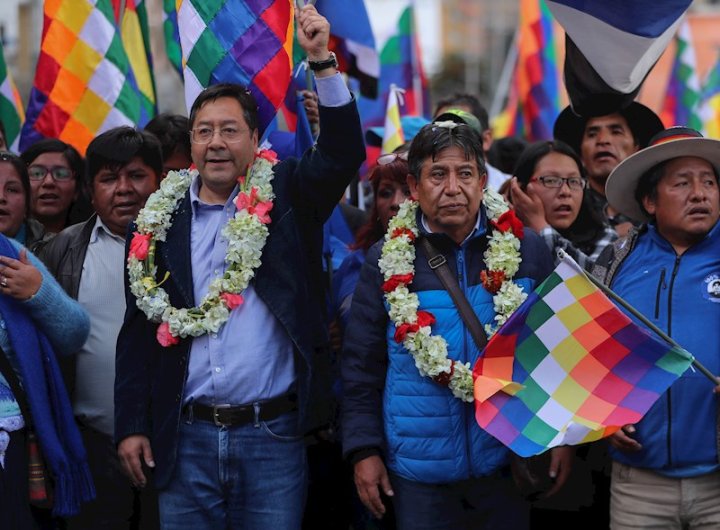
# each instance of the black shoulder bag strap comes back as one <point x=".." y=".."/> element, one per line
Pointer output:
<point x="438" y="264"/>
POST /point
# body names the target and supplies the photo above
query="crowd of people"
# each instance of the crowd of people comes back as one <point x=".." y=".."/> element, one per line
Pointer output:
<point x="184" y="349"/>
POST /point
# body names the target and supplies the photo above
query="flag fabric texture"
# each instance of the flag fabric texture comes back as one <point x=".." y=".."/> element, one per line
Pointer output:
<point x="12" y="113"/>
<point x="400" y="65"/>
<point x="238" y="41"/>
<point x="135" y="34"/>
<point x="534" y="98"/>
<point x="611" y="47"/>
<point x="710" y="106"/>
<point x="353" y="42"/>
<point x="569" y="367"/>
<point x="84" y="82"/>
<point x="393" y="136"/>
<point x="289" y="133"/>
<point x="683" y="96"/>
<point x="172" y="35"/>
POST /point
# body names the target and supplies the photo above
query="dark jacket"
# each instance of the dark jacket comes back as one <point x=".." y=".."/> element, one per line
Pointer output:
<point x="425" y="433"/>
<point x="150" y="379"/>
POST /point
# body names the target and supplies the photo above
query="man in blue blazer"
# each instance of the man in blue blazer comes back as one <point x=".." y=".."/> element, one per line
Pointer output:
<point x="220" y="415"/>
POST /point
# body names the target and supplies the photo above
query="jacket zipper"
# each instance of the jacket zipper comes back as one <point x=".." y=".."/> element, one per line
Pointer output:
<point x="669" y="332"/>
<point x="462" y="280"/>
<point x="660" y="287"/>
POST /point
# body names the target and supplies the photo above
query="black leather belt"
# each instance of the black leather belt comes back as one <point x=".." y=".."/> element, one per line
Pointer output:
<point x="233" y="415"/>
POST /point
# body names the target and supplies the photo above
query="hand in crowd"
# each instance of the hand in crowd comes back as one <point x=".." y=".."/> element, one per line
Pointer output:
<point x="622" y="440"/>
<point x="371" y="476"/>
<point x="528" y="206"/>
<point x="310" y="102"/>
<point x="561" y="459"/>
<point x="18" y="277"/>
<point x="313" y="33"/>
<point x="132" y="451"/>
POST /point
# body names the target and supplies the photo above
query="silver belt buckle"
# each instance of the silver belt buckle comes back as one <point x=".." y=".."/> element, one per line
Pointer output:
<point x="216" y="410"/>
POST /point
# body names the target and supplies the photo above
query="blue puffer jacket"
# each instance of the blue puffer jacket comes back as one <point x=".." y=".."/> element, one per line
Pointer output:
<point x="425" y="434"/>
<point x="680" y="295"/>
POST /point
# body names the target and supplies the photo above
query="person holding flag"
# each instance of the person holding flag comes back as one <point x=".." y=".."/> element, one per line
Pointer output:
<point x="408" y="424"/>
<point x="222" y="359"/>
<point x="666" y="470"/>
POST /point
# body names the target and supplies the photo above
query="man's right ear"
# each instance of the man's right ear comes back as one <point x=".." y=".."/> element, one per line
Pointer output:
<point x="412" y="184"/>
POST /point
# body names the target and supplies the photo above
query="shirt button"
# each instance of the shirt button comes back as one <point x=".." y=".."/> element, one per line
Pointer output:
<point x="218" y="369"/>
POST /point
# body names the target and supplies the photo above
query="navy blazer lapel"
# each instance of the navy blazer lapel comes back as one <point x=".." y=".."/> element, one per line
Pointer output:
<point x="176" y="252"/>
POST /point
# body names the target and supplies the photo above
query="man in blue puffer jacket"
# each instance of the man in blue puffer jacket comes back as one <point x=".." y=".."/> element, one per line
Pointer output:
<point x="666" y="472"/>
<point x="444" y="470"/>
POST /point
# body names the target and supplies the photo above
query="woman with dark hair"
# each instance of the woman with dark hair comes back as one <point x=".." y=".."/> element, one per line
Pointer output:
<point x="389" y="185"/>
<point x="37" y="321"/>
<point x="548" y="194"/>
<point x="57" y="181"/>
<point x="15" y="203"/>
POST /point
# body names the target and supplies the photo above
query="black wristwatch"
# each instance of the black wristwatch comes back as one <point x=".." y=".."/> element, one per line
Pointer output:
<point x="330" y="62"/>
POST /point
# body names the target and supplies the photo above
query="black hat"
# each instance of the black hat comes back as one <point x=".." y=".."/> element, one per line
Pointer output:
<point x="643" y="122"/>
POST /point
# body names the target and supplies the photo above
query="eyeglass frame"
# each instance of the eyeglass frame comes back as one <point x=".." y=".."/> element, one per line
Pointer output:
<point x="51" y="171"/>
<point x="563" y="181"/>
<point x="215" y="130"/>
<point x="389" y="158"/>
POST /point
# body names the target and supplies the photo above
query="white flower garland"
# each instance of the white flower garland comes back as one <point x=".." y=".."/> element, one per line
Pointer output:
<point x="502" y="259"/>
<point x="246" y="234"/>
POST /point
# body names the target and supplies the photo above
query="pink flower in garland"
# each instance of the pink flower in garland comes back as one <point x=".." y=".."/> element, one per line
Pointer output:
<point x="165" y="337"/>
<point x="231" y="300"/>
<point x="268" y="154"/>
<point x="254" y="205"/>
<point x="140" y="245"/>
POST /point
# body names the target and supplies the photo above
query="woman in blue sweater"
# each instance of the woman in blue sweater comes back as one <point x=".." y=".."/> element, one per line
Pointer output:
<point x="37" y="320"/>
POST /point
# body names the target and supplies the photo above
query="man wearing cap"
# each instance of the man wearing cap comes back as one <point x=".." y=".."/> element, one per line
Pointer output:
<point x="602" y="143"/>
<point x="467" y="109"/>
<point x="666" y="471"/>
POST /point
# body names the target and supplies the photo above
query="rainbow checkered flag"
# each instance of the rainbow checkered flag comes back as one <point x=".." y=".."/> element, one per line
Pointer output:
<point x="238" y="41"/>
<point x="682" y="102"/>
<point x="569" y="367"/>
<point x="84" y="81"/>
<point x="12" y="113"/>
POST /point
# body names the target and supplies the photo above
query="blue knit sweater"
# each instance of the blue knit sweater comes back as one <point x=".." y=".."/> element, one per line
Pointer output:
<point x="64" y="321"/>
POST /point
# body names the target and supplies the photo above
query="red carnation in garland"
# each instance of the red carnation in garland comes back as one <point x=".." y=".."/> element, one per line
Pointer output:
<point x="492" y="280"/>
<point x="403" y="231"/>
<point x="140" y="246"/>
<point x="509" y="221"/>
<point x="424" y="318"/>
<point x="444" y="377"/>
<point x="396" y="280"/>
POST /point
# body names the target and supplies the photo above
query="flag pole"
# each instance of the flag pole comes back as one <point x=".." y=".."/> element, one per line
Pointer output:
<point x="617" y="298"/>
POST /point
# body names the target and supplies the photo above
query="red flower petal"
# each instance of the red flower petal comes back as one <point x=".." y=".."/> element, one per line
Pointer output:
<point x="165" y="337"/>
<point x="396" y="280"/>
<point x="140" y="245"/>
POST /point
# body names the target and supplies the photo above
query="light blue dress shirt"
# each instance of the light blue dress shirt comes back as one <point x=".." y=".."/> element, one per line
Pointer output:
<point x="252" y="356"/>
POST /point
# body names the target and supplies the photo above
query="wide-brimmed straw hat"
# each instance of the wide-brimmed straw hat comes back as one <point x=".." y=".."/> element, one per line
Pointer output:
<point x="668" y="144"/>
<point x="643" y="122"/>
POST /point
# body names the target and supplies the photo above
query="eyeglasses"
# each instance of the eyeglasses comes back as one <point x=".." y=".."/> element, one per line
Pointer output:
<point x="204" y="135"/>
<point x="389" y="158"/>
<point x="59" y="173"/>
<point x="574" y="183"/>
